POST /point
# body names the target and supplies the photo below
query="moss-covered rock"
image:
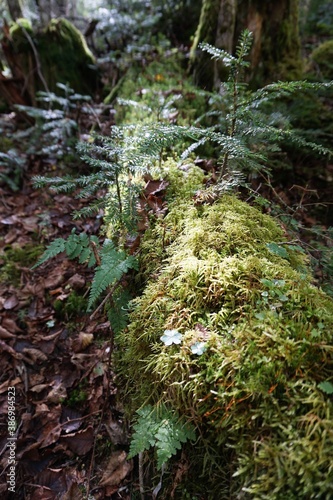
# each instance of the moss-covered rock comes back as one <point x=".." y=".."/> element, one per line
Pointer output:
<point x="226" y="277"/>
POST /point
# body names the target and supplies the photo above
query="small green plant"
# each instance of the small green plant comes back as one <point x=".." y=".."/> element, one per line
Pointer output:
<point x="56" y="126"/>
<point x="12" y="167"/>
<point x="77" y="397"/>
<point x="115" y="165"/>
<point x="111" y="262"/>
<point x="243" y="125"/>
<point x="14" y="259"/>
<point x="161" y="428"/>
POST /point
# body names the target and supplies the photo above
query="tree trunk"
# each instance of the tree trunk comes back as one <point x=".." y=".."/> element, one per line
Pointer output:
<point x="14" y="9"/>
<point x="200" y="64"/>
<point x="275" y="53"/>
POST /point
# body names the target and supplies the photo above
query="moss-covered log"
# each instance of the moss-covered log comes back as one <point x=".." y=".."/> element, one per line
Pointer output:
<point x="226" y="276"/>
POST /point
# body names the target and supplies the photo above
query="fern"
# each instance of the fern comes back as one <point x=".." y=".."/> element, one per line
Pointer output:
<point x="118" y="311"/>
<point x="57" y="246"/>
<point x="161" y="428"/>
<point x="114" y="264"/>
<point x="75" y="246"/>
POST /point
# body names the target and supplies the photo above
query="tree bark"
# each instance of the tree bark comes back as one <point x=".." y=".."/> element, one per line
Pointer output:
<point x="275" y="53"/>
<point x="200" y="64"/>
<point x="14" y="9"/>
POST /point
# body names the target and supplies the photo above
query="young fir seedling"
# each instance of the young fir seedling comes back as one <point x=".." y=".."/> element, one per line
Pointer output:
<point x="244" y="130"/>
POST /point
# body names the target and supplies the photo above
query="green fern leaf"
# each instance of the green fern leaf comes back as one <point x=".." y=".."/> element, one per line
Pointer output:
<point x="326" y="387"/>
<point x="161" y="428"/>
<point x="57" y="246"/>
<point x="114" y="264"/>
<point x="277" y="250"/>
<point x="144" y="431"/>
<point x="118" y="312"/>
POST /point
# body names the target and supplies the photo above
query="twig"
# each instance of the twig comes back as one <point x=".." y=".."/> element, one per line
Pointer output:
<point x="117" y="283"/>
<point x="141" y="482"/>
<point x="106" y="402"/>
<point x="253" y="193"/>
<point x="266" y="179"/>
<point x="96" y="254"/>
<point x="38" y="65"/>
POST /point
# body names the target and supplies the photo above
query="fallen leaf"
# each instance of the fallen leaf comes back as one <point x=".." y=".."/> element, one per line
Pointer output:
<point x="39" y="388"/>
<point x="82" y="341"/>
<point x="81" y="442"/>
<point x="5" y="334"/>
<point x="11" y="325"/>
<point x="76" y="281"/>
<point x="116" y="470"/>
<point x="11" y="302"/>
<point x="34" y="354"/>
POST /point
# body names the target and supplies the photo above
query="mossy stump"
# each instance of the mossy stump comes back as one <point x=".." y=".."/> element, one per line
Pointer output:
<point x="63" y="56"/>
<point x="225" y="275"/>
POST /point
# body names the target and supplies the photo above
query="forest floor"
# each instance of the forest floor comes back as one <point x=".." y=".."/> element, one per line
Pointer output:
<point x="55" y="358"/>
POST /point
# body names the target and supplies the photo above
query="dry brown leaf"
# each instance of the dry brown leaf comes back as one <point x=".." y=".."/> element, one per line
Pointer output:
<point x="81" y="442"/>
<point x="57" y="393"/>
<point x="11" y="325"/>
<point x="76" y="281"/>
<point x="30" y="224"/>
<point x="34" y="355"/>
<point x="6" y="348"/>
<point x="82" y="341"/>
<point x="39" y="388"/>
<point x="11" y="302"/>
<point x="116" y="470"/>
<point x="81" y="360"/>
<point x="9" y="383"/>
<point x="54" y="280"/>
<point x="5" y="334"/>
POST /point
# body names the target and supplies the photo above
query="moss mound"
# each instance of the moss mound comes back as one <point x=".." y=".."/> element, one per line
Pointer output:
<point x="323" y="58"/>
<point x="257" y="392"/>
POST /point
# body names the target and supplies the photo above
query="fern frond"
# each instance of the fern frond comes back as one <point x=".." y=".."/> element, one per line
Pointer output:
<point x="114" y="264"/>
<point x="162" y="428"/>
<point x="118" y="311"/>
<point x="57" y="246"/>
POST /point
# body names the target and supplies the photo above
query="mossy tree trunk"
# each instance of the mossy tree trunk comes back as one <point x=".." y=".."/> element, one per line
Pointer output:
<point x="276" y="45"/>
<point x="63" y="56"/>
<point x="14" y="9"/>
<point x="201" y="65"/>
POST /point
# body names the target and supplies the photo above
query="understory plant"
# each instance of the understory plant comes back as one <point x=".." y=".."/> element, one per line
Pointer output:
<point x="229" y="333"/>
<point x="246" y="126"/>
<point x="55" y="122"/>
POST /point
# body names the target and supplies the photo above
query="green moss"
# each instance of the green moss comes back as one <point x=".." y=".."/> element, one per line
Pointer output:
<point x="77" y="397"/>
<point x="160" y="89"/>
<point x="66" y="58"/>
<point x="72" y="307"/>
<point x="63" y="54"/>
<point x="323" y="59"/>
<point x="17" y="257"/>
<point x="253" y="394"/>
<point x="18" y="35"/>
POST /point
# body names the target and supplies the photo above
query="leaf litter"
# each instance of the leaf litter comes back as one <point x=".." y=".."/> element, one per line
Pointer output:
<point x="70" y="437"/>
